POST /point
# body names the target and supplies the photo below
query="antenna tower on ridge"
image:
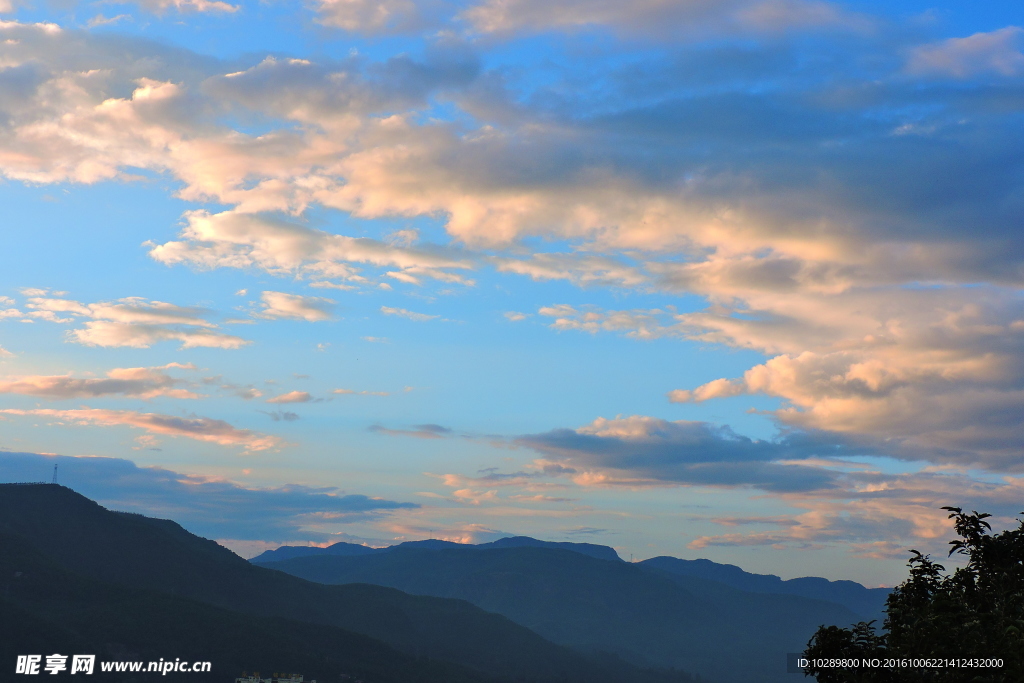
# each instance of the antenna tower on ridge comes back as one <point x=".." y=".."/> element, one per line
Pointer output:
<point x="54" y="474"/>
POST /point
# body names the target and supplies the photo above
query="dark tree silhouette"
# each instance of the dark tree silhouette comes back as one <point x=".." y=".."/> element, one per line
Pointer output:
<point x="975" y="613"/>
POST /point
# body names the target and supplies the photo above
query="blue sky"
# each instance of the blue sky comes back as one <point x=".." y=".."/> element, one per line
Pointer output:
<point x="737" y="279"/>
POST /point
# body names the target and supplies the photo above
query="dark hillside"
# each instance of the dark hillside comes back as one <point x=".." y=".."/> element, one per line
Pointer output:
<point x="139" y="553"/>
<point x="48" y="609"/>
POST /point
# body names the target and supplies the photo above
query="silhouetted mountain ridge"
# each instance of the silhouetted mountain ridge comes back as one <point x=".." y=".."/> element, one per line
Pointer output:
<point x="866" y="602"/>
<point x="287" y="552"/>
<point x="644" y="614"/>
<point x="137" y="554"/>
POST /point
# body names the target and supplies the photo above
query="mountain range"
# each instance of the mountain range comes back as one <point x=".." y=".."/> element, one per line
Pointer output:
<point x="124" y="586"/>
<point x="712" y="619"/>
<point x="866" y="602"/>
<point x="86" y="579"/>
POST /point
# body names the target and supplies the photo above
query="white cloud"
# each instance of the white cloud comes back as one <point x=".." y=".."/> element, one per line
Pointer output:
<point x="101" y="20"/>
<point x="660" y="18"/>
<point x="135" y="322"/>
<point x="580" y="270"/>
<point x="160" y="6"/>
<point x="279" y="305"/>
<point x="198" y="428"/>
<point x="231" y="239"/>
<point x="136" y="382"/>
<point x="996" y="52"/>
<point x="738" y="186"/>
<point x="4" y="353"/>
<point x="640" y="324"/>
<point x="920" y="369"/>
<point x="140" y="336"/>
<point x="292" y="397"/>
<point x="403" y="313"/>
<point x="370" y="16"/>
<point x="361" y="393"/>
<point x="424" y="431"/>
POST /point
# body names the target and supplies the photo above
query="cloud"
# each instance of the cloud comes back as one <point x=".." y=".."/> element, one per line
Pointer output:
<point x="492" y="478"/>
<point x="645" y="451"/>
<point x="127" y="310"/>
<point x="724" y="175"/>
<point x="135" y="382"/>
<point x="292" y="397"/>
<point x="141" y="336"/>
<point x="160" y="6"/>
<point x="996" y="52"/>
<point x="401" y="312"/>
<point x="924" y="379"/>
<point x="278" y="305"/>
<point x="100" y="20"/>
<point x="361" y="393"/>
<point x="372" y="16"/>
<point x="580" y="270"/>
<point x="455" y="533"/>
<point x="639" y="324"/>
<point x="135" y="322"/>
<point x="198" y="428"/>
<point x="232" y="239"/>
<point x="857" y="504"/>
<point x="247" y="392"/>
<point x="659" y="18"/>
<point x="876" y="515"/>
<point x="208" y="506"/>
<point x="424" y="431"/>
<point x="4" y="353"/>
<point x="281" y="415"/>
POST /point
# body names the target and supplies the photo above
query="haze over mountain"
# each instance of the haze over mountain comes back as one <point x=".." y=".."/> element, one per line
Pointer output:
<point x="121" y="560"/>
<point x="583" y="596"/>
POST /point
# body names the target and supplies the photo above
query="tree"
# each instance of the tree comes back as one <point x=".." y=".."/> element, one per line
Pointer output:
<point x="975" y="613"/>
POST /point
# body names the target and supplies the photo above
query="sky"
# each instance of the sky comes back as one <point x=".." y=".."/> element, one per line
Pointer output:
<point x="734" y="279"/>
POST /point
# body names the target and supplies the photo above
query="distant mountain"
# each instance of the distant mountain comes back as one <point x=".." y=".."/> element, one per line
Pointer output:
<point x="601" y="552"/>
<point x="867" y="602"/>
<point x="138" y="555"/>
<point x="644" y="614"/>
<point x="287" y="552"/>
